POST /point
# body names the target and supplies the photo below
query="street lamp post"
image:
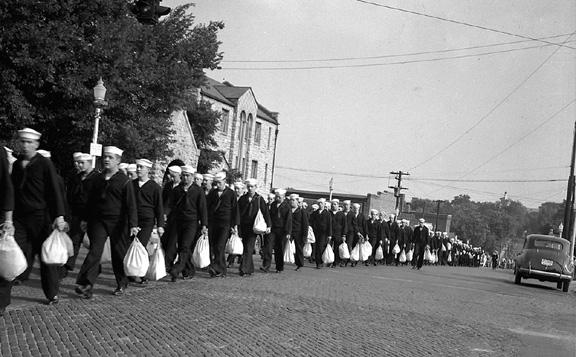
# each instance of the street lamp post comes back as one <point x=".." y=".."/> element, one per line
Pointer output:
<point x="99" y="103"/>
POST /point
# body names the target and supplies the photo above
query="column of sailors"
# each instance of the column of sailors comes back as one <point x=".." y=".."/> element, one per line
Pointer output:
<point x="122" y="202"/>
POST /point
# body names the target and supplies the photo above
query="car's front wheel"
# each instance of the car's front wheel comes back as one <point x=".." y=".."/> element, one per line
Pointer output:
<point x="566" y="286"/>
<point x="517" y="278"/>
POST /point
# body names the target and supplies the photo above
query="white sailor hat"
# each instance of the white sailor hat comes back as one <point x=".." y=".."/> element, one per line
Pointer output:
<point x="315" y="206"/>
<point x="280" y="191"/>
<point x="84" y="157"/>
<point x="335" y="200"/>
<point x="123" y="166"/>
<point x="347" y="202"/>
<point x="208" y="177"/>
<point x="271" y="195"/>
<point x="131" y="168"/>
<point x="220" y="176"/>
<point x="144" y="162"/>
<point x="294" y="196"/>
<point x="187" y="169"/>
<point x="321" y="200"/>
<point x="251" y="182"/>
<point x="238" y="184"/>
<point x="199" y="175"/>
<point x="301" y="199"/>
<point x="175" y="169"/>
<point x="374" y="210"/>
<point x="44" y="153"/>
<point x="421" y="220"/>
<point x="76" y="156"/>
<point x="28" y="133"/>
<point x="113" y="150"/>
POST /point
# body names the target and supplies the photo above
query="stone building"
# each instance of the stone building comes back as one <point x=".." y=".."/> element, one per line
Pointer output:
<point x="247" y="133"/>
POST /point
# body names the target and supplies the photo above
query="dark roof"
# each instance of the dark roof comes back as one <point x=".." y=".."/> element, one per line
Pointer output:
<point x="209" y="90"/>
<point x="228" y="93"/>
<point x="267" y="115"/>
<point x="551" y="238"/>
<point x="318" y="194"/>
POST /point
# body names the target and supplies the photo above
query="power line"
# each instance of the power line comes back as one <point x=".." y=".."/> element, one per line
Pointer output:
<point x="364" y="65"/>
<point x="460" y="23"/>
<point x="329" y="172"/>
<point x="391" y="55"/>
<point x="486" y="180"/>
<point x="491" y="111"/>
<point x="520" y="139"/>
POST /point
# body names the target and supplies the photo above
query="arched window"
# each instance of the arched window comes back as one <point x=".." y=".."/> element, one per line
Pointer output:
<point x="242" y="125"/>
<point x="249" y="128"/>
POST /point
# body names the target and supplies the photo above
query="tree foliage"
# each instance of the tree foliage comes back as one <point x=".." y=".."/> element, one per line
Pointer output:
<point x="53" y="52"/>
<point x="204" y="122"/>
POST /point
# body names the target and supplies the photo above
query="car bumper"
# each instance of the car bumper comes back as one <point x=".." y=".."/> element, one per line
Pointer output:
<point x="542" y="273"/>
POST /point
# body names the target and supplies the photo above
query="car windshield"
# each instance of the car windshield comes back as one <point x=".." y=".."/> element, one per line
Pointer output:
<point x="546" y="244"/>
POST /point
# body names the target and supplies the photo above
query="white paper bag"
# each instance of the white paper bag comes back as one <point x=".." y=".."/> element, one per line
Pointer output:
<point x="55" y="248"/>
<point x="12" y="259"/>
<point x="344" y="251"/>
<point x="307" y="251"/>
<point x="379" y="255"/>
<point x="234" y="245"/>
<point x="201" y="254"/>
<point x="328" y="255"/>
<point x="402" y="258"/>
<point x="311" y="238"/>
<point x="106" y="252"/>
<point x="157" y="268"/>
<point x="136" y="261"/>
<point x="289" y="252"/>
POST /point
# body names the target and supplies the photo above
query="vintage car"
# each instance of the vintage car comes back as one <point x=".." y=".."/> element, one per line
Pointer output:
<point x="546" y="258"/>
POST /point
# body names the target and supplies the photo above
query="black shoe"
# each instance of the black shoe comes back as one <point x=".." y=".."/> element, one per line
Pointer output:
<point x="222" y="276"/>
<point x="318" y="267"/>
<point x="84" y="291"/>
<point x="278" y="271"/>
<point x="297" y="268"/>
<point x="173" y="278"/>
<point x="119" y="291"/>
<point x="264" y="270"/>
<point x="53" y="301"/>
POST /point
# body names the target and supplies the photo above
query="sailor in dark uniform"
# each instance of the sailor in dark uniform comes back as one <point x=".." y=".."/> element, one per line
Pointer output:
<point x="187" y="215"/>
<point x="248" y="206"/>
<point x="281" y="218"/>
<point x="149" y="204"/>
<point x="321" y="222"/>
<point x="338" y="230"/>
<point x="111" y="213"/>
<point x="223" y="221"/>
<point x="299" y="233"/>
<point x="6" y="208"/>
<point x="38" y="203"/>
<point x="77" y="194"/>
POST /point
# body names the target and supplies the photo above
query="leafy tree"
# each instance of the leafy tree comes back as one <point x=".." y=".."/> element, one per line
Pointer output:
<point x="53" y="52"/>
<point x="204" y="122"/>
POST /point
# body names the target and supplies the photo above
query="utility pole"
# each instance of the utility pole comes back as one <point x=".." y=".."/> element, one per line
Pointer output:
<point x="437" y="214"/>
<point x="398" y="188"/>
<point x="569" y="204"/>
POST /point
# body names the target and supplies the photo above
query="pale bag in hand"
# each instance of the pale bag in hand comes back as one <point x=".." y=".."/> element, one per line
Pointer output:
<point x="201" y="254"/>
<point x="328" y="255"/>
<point x="402" y="257"/>
<point x="409" y="255"/>
<point x="55" y="248"/>
<point x="234" y="245"/>
<point x="289" y="250"/>
<point x="344" y="251"/>
<point x="449" y="258"/>
<point x="311" y="238"/>
<point x="355" y="253"/>
<point x="427" y="255"/>
<point x="365" y="251"/>
<point x="396" y="249"/>
<point x="152" y="242"/>
<point x="86" y="241"/>
<point x="136" y="261"/>
<point x="307" y="251"/>
<point x="157" y="269"/>
<point x="379" y="255"/>
<point x="12" y="259"/>
<point x="106" y="252"/>
<point x="260" y="226"/>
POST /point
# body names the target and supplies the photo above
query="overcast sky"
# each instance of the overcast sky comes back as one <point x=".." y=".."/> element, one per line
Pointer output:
<point x="512" y="111"/>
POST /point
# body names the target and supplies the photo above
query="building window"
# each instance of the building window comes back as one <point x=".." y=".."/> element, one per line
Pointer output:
<point x="248" y="128"/>
<point x="243" y="168"/>
<point x="242" y="125"/>
<point x="258" y="133"/>
<point x="265" y="174"/>
<point x="254" y="172"/>
<point x="269" y="137"/>
<point x="224" y="118"/>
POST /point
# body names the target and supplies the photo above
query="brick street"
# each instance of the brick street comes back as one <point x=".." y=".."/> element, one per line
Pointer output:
<point x="384" y="310"/>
